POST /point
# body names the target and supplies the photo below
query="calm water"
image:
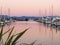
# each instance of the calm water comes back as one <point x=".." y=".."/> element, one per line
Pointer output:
<point x="37" y="31"/>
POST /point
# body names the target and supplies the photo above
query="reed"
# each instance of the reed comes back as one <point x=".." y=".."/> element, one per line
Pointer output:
<point x="11" y="39"/>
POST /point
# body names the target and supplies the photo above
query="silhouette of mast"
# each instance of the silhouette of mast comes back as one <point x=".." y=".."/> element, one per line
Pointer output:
<point x="51" y="14"/>
<point x="9" y="11"/>
<point x="40" y="12"/>
<point x="52" y="9"/>
<point x="45" y="15"/>
<point x="49" y="10"/>
<point x="45" y="12"/>
<point x="1" y="10"/>
<point x="9" y="19"/>
<point x="51" y="20"/>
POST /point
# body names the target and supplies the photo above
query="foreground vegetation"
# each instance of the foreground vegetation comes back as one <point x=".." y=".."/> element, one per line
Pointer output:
<point x="11" y="39"/>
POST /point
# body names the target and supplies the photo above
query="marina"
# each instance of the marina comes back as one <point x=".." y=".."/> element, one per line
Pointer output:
<point x="39" y="33"/>
<point x="29" y="22"/>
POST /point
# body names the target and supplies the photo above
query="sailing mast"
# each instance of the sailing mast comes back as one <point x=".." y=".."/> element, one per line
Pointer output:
<point x="40" y="12"/>
<point x="51" y="14"/>
<point x="51" y="21"/>
<point x="45" y="12"/>
<point x="52" y="10"/>
<point x="9" y="13"/>
<point x="1" y="10"/>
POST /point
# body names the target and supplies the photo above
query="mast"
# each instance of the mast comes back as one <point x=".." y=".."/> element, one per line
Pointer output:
<point x="52" y="9"/>
<point x="45" y="12"/>
<point x="40" y="12"/>
<point x="1" y="10"/>
<point x="51" y="14"/>
<point x="51" y="21"/>
<point x="1" y="14"/>
<point x="9" y="13"/>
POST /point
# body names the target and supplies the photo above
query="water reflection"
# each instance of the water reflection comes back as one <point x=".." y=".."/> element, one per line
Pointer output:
<point x="44" y="35"/>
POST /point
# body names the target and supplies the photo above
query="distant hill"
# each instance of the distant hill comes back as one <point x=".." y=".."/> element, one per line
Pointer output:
<point x="24" y="18"/>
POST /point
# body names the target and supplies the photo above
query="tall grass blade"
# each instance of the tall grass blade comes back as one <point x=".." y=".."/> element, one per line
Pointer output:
<point x="18" y="36"/>
<point x="9" y="41"/>
<point x="9" y="36"/>
<point x="10" y="33"/>
<point x="1" y="32"/>
<point x="6" y="32"/>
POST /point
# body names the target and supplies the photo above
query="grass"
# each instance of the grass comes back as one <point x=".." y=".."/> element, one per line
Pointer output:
<point x="11" y="39"/>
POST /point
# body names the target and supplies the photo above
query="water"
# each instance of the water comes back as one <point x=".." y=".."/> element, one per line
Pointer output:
<point x="43" y="35"/>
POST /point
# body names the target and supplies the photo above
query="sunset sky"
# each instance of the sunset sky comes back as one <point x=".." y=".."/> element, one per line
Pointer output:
<point x="30" y="7"/>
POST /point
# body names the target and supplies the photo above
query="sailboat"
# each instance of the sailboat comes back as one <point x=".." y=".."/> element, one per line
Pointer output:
<point x="1" y="22"/>
<point x="8" y="21"/>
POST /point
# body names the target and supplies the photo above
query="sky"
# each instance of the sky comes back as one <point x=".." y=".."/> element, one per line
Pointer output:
<point x="30" y="7"/>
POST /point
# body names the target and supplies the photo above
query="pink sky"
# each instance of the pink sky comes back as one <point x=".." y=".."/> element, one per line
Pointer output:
<point x="29" y="7"/>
